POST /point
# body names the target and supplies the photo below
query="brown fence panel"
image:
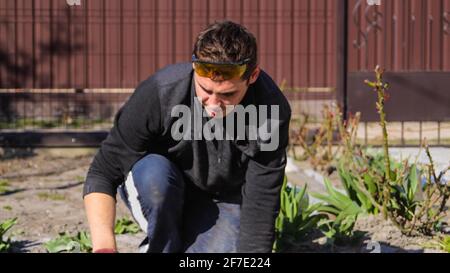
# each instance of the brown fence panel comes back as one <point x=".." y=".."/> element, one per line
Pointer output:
<point x="47" y="45"/>
<point x="118" y="43"/>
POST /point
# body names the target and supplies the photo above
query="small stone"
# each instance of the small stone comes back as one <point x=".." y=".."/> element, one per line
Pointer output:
<point x="446" y="230"/>
<point x="322" y="241"/>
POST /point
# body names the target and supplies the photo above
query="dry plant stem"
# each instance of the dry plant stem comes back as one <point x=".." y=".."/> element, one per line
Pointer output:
<point x="411" y="215"/>
<point x="443" y="173"/>
<point x="443" y="189"/>
<point x="380" y="87"/>
<point x="427" y="150"/>
<point x="301" y="135"/>
<point x="329" y="132"/>
<point x="430" y="202"/>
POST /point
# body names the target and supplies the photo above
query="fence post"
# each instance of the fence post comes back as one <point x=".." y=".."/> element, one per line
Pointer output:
<point x="342" y="58"/>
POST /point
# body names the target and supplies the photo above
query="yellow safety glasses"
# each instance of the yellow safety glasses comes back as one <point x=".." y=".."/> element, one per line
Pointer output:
<point x="219" y="70"/>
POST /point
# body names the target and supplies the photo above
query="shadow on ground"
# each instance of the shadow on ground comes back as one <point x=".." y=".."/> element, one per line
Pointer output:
<point x="16" y="153"/>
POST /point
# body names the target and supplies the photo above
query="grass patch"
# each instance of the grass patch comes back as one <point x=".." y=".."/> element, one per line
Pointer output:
<point x="51" y="196"/>
<point x="4" y="186"/>
<point x="21" y="123"/>
<point x="125" y="225"/>
<point x="80" y="178"/>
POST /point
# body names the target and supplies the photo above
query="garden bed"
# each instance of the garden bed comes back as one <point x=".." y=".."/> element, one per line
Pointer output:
<point x="44" y="191"/>
<point x="373" y="233"/>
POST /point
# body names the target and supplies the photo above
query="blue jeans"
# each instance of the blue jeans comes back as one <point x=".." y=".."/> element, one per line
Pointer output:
<point x="176" y="215"/>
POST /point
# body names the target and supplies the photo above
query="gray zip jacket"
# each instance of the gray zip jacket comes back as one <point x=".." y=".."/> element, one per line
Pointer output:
<point x="231" y="169"/>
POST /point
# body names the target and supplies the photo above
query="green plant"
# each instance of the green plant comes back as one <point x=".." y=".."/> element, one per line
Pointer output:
<point x="4" y="186"/>
<point x="380" y="88"/>
<point x="444" y="243"/>
<point x="7" y="207"/>
<point x="296" y="218"/>
<point x="66" y="243"/>
<point x="361" y="189"/>
<point x="441" y="243"/>
<point x="5" y="243"/>
<point x="80" y="178"/>
<point x="378" y="183"/>
<point x="403" y="202"/>
<point x="51" y="196"/>
<point x="125" y="225"/>
<point x="344" y="212"/>
<point x="435" y="193"/>
<point x="412" y="207"/>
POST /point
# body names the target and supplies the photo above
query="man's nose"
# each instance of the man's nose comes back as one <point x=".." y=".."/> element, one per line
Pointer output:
<point x="214" y="99"/>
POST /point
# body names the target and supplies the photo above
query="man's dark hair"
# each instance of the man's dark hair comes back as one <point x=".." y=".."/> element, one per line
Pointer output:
<point x="226" y="41"/>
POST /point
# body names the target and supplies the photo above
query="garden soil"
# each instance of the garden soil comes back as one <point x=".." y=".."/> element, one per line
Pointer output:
<point x="44" y="192"/>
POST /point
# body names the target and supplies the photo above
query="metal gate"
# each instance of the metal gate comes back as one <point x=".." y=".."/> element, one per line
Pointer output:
<point x="411" y="40"/>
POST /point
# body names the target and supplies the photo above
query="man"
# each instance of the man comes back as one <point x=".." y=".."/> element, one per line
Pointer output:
<point x="196" y="191"/>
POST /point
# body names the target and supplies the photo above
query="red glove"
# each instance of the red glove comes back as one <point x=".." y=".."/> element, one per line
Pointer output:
<point x="106" y="250"/>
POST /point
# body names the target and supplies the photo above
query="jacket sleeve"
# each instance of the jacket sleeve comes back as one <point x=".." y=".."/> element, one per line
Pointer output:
<point x="261" y="196"/>
<point x="136" y="125"/>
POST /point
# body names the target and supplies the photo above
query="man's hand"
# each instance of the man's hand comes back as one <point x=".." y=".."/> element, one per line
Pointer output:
<point x="101" y="211"/>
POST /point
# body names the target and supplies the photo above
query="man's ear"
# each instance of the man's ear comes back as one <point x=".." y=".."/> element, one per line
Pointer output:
<point x="254" y="76"/>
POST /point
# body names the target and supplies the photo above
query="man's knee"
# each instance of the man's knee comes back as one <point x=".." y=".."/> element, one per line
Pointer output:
<point x="156" y="177"/>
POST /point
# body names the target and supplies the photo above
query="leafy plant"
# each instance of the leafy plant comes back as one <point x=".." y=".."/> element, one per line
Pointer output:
<point x="344" y="212"/>
<point x="414" y="207"/>
<point x="81" y="242"/>
<point x="5" y="243"/>
<point x="296" y="218"/>
<point x="381" y="184"/>
<point x="125" y="225"/>
<point x="361" y="189"/>
<point x="412" y="196"/>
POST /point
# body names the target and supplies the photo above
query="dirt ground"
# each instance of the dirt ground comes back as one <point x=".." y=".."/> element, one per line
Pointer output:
<point x="375" y="235"/>
<point x="45" y="194"/>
